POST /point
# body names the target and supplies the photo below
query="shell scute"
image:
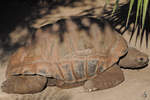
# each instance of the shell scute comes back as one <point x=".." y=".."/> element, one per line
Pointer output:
<point x="92" y="67"/>
<point x="79" y="69"/>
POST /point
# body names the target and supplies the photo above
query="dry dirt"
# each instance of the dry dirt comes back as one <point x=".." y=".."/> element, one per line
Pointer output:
<point x="135" y="87"/>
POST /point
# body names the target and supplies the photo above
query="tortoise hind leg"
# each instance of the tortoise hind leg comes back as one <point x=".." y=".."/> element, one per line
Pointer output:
<point x="24" y="84"/>
<point x="108" y="79"/>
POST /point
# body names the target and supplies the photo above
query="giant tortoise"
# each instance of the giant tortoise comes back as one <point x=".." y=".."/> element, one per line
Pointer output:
<point x="72" y="52"/>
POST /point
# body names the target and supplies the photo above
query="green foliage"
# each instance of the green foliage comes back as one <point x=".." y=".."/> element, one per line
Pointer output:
<point x="145" y="6"/>
<point x="142" y="6"/>
<point x="130" y="9"/>
<point x="139" y="10"/>
<point x="115" y="7"/>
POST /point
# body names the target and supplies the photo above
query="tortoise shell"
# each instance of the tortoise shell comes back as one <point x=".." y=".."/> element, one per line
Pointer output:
<point x="72" y="50"/>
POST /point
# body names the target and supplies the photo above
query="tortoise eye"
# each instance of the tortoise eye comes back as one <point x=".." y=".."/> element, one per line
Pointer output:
<point x="142" y="59"/>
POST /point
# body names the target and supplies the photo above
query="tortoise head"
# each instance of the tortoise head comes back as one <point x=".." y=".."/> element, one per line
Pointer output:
<point x="134" y="59"/>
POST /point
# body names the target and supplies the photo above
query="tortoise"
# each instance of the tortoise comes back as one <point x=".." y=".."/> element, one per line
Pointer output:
<point x="69" y="53"/>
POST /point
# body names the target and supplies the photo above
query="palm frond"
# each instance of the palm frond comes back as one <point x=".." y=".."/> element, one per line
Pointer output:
<point x="129" y="12"/>
<point x="133" y="16"/>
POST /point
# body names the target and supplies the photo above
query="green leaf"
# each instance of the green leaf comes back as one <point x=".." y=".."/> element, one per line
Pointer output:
<point x="138" y="10"/>
<point x="145" y="6"/>
<point x="115" y="7"/>
<point x="141" y="10"/>
<point x="130" y="9"/>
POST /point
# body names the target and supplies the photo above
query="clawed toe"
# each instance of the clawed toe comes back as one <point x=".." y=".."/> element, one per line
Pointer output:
<point x="90" y="90"/>
<point x="89" y="86"/>
<point x="94" y="85"/>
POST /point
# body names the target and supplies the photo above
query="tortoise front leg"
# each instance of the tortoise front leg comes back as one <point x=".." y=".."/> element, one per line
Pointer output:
<point x="108" y="79"/>
<point x="24" y="84"/>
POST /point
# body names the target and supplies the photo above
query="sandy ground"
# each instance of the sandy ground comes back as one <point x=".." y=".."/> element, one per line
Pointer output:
<point x="135" y="87"/>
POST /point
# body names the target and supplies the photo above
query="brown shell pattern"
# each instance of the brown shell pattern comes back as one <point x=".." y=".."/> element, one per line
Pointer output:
<point x="71" y="50"/>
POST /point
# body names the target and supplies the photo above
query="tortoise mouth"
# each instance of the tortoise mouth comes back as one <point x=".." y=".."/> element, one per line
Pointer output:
<point x="135" y="68"/>
<point x="144" y="63"/>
